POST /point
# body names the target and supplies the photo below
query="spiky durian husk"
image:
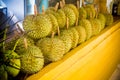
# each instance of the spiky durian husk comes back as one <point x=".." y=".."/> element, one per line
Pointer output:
<point x="60" y="16"/>
<point x="55" y="25"/>
<point x="53" y="48"/>
<point x="21" y="45"/>
<point x="70" y="15"/>
<point x="63" y="17"/>
<point x="92" y="10"/>
<point x="82" y="13"/>
<point x="32" y="60"/>
<point x="109" y="19"/>
<point x="102" y="20"/>
<point x="96" y="26"/>
<point x="75" y="36"/>
<point x="74" y="8"/>
<point x="66" y="37"/>
<point x="82" y="34"/>
<point x="88" y="27"/>
<point x="37" y="26"/>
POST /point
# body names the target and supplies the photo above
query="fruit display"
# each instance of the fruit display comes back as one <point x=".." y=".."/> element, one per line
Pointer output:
<point x="48" y="36"/>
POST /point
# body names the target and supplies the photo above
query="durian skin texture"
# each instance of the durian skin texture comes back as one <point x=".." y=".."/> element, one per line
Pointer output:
<point x="67" y="39"/>
<point x="53" y="48"/>
<point x="88" y="27"/>
<point x="82" y="34"/>
<point x="32" y="60"/>
<point x="37" y="26"/>
<point x="82" y="13"/>
<point x="70" y="15"/>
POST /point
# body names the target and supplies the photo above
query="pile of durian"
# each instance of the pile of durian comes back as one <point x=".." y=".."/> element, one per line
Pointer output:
<point x="49" y="35"/>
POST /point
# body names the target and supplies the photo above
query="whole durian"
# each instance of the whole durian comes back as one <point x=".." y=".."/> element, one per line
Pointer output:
<point x="96" y="26"/>
<point x="53" y="48"/>
<point x="32" y="60"/>
<point x="82" y="13"/>
<point x="74" y="8"/>
<point x="82" y="33"/>
<point x="102" y="19"/>
<point x="65" y="36"/>
<point x="109" y="19"/>
<point x="70" y="15"/>
<point x="37" y="26"/>
<point x="88" y="27"/>
<point x="90" y="10"/>
<point x="75" y="36"/>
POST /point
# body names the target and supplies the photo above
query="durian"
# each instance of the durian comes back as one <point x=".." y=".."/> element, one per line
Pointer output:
<point x="82" y="34"/>
<point x="53" y="48"/>
<point x="96" y="26"/>
<point x="102" y="20"/>
<point x="88" y="27"/>
<point x="109" y="19"/>
<point x="70" y="15"/>
<point x="82" y="13"/>
<point x="65" y="36"/>
<point x="75" y="36"/>
<point x="37" y="26"/>
<point x="32" y="60"/>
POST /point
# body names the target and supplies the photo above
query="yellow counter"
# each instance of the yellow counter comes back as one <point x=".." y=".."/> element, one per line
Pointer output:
<point x="95" y="59"/>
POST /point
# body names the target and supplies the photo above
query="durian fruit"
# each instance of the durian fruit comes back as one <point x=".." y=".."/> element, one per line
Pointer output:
<point x="92" y="8"/>
<point x="12" y="63"/>
<point x="75" y="37"/>
<point x="109" y="19"/>
<point x="70" y="15"/>
<point x="82" y="34"/>
<point x="59" y="14"/>
<point x="53" y="48"/>
<point x="65" y="36"/>
<point x="74" y="8"/>
<point x="37" y="26"/>
<point x="88" y="27"/>
<point x="54" y="22"/>
<point x="82" y="13"/>
<point x="23" y="43"/>
<point x="96" y="26"/>
<point x="102" y="20"/>
<point x="32" y="60"/>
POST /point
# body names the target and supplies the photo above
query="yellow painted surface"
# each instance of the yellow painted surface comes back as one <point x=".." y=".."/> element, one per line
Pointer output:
<point x="95" y="59"/>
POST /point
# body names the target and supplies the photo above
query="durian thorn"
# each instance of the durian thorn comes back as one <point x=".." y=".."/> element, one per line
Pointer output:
<point x="56" y="6"/>
<point x="61" y="4"/>
<point x="53" y="33"/>
<point x="58" y="29"/>
<point x="43" y="9"/>
<point x="63" y="1"/>
<point x="35" y="10"/>
<point x="78" y="4"/>
<point x="25" y="43"/>
<point x="67" y="22"/>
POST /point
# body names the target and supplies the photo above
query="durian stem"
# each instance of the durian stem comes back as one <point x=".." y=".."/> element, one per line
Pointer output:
<point x="63" y="1"/>
<point x="25" y="43"/>
<point x="43" y="9"/>
<point x="56" y="6"/>
<point x="35" y="10"/>
<point x="78" y="4"/>
<point x="83" y="3"/>
<point x="67" y="22"/>
<point x="76" y="22"/>
<point x="58" y="29"/>
<point x="61" y="4"/>
<point x="53" y="33"/>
